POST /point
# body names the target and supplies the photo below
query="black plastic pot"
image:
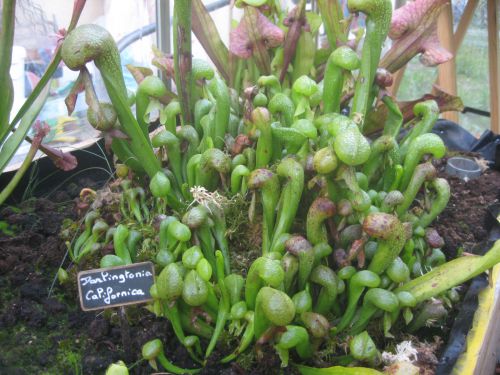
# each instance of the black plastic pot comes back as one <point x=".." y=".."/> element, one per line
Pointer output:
<point x="93" y="163"/>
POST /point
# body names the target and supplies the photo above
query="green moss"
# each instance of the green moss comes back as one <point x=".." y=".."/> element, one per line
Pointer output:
<point x="244" y="237"/>
<point x="69" y="357"/>
<point x="6" y="229"/>
<point x="25" y="348"/>
<point x="246" y="360"/>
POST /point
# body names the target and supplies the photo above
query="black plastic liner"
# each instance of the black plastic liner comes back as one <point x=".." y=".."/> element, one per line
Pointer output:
<point x="456" y="138"/>
<point x="465" y="317"/>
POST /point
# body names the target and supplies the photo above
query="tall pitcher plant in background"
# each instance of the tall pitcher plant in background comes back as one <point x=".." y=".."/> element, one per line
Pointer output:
<point x="267" y="40"/>
<point x="11" y="136"/>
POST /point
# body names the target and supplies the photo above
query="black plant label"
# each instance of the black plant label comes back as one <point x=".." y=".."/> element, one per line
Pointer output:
<point x="115" y="286"/>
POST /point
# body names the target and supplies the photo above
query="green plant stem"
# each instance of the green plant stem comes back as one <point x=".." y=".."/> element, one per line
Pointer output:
<point x="293" y="173"/>
<point x="377" y="21"/>
<point x="12" y="143"/>
<point x="343" y="58"/>
<point x="268" y="182"/>
<point x="394" y="117"/>
<point x="290" y="265"/>
<point x="189" y="137"/>
<point x="281" y="105"/>
<point x="219" y="90"/>
<point x="326" y="278"/>
<point x="381" y="146"/>
<point x="357" y="285"/>
<point x="442" y="189"/>
<point x="19" y="174"/>
<point x="321" y="209"/>
<point x="182" y="56"/>
<point x="213" y="163"/>
<point x="264" y="151"/>
<point x="302" y="249"/>
<point x="375" y="298"/>
<point x="150" y="87"/>
<point x="246" y="338"/>
<point x="89" y="222"/>
<point x="429" y="143"/>
<point x="171" y="143"/>
<point x="451" y="274"/>
<point x="6" y="41"/>
<point x="391" y="236"/>
<point x="428" y="111"/>
<point x="223" y="312"/>
<point x="172" y="313"/>
<point x="239" y="175"/>
<point x="99" y="229"/>
<point x="290" y="138"/>
<point x="201" y="108"/>
<point x="195" y="326"/>
<point x="332" y="16"/>
<point x="422" y="173"/>
<point x="294" y="337"/>
<point x="219" y="233"/>
<point x="120" y="243"/>
<point x="102" y="49"/>
<point x="153" y="350"/>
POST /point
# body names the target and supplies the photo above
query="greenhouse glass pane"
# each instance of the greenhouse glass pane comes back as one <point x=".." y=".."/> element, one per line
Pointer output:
<point x="472" y="68"/>
<point x="36" y="35"/>
<point x="417" y="80"/>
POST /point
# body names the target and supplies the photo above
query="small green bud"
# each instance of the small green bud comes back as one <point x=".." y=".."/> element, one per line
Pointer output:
<point x="118" y="368"/>
<point x="160" y="185"/>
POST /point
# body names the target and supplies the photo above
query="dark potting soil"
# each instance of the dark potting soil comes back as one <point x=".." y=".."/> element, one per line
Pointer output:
<point x="42" y="328"/>
<point x="50" y="334"/>
<point x="463" y="223"/>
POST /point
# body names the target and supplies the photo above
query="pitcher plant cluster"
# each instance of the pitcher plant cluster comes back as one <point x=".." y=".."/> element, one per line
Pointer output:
<point x="332" y="174"/>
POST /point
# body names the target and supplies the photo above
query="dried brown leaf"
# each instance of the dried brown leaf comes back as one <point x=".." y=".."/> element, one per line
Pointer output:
<point x="446" y="102"/>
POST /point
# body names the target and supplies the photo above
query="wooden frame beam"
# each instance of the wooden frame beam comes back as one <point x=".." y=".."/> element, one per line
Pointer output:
<point x="464" y="24"/>
<point x="493" y="60"/>
<point x="447" y="76"/>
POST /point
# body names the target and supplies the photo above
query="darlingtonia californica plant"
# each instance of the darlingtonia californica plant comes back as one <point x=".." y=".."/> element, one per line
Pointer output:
<point x="341" y="241"/>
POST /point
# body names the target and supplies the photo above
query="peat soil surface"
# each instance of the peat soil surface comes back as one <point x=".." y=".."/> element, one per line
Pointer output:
<point x="49" y="334"/>
<point x="463" y="223"/>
